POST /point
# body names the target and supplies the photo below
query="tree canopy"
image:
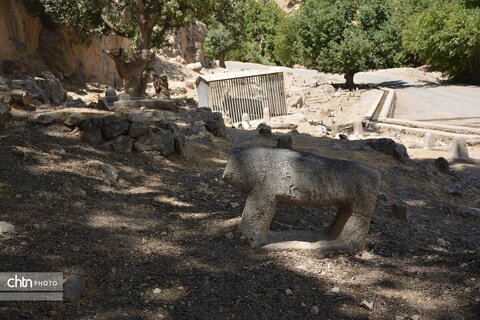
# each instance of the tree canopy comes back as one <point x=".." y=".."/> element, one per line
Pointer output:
<point x="446" y="35"/>
<point x="145" y="22"/>
<point x="343" y="37"/>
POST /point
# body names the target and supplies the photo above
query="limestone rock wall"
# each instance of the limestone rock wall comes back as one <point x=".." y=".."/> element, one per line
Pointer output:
<point x="28" y="46"/>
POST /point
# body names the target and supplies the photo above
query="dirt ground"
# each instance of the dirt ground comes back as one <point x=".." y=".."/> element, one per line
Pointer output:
<point x="156" y="244"/>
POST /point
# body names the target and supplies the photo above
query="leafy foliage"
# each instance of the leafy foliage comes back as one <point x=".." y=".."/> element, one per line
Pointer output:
<point x="447" y="36"/>
<point x="219" y="41"/>
<point x="341" y="36"/>
<point x="253" y="24"/>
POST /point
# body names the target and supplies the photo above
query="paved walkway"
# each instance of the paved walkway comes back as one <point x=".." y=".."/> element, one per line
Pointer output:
<point x="427" y="101"/>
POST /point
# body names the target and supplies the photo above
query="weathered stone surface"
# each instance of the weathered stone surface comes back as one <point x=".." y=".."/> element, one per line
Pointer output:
<point x="358" y="129"/>
<point x="469" y="213"/>
<point x="6" y="227"/>
<point x="157" y="139"/>
<point x="284" y="142"/>
<point x="52" y="87"/>
<point x="138" y="129"/>
<point x="264" y="128"/>
<point x="390" y="147"/>
<point x="151" y="104"/>
<point x="73" y="119"/>
<point x="76" y="103"/>
<point x="46" y="119"/>
<point x="73" y="287"/>
<point x="215" y="125"/>
<point x="428" y="142"/>
<point x="453" y="189"/>
<point x="90" y="132"/>
<point x="108" y="173"/>
<point x="111" y="96"/>
<point x="442" y="165"/>
<point x="115" y="129"/>
<point x="459" y="149"/>
<point x="122" y="144"/>
<point x="272" y="176"/>
<point x="183" y="147"/>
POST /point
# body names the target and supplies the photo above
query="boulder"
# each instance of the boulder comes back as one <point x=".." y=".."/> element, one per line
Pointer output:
<point x="138" y="129"/>
<point x="111" y="96"/>
<point x="77" y="103"/>
<point x="52" y="88"/>
<point x="73" y="119"/>
<point x="442" y="165"/>
<point x="215" y="125"/>
<point x="115" y="129"/>
<point x="108" y="173"/>
<point x="264" y="128"/>
<point x="469" y="213"/>
<point x="183" y="147"/>
<point x="46" y="119"/>
<point x="390" y="147"/>
<point x="157" y="139"/>
<point x="90" y="131"/>
<point x="122" y="144"/>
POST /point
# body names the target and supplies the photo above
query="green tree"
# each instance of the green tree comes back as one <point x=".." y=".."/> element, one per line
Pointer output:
<point x="145" y="22"/>
<point x="218" y="42"/>
<point x="446" y="35"/>
<point x="345" y="37"/>
<point x="257" y="22"/>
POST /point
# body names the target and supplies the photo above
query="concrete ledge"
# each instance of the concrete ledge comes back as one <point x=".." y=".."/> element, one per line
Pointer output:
<point x="432" y="126"/>
<point x="420" y="132"/>
<point x="376" y="103"/>
<point x="388" y="107"/>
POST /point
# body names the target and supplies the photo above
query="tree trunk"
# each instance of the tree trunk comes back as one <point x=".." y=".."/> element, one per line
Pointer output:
<point x="221" y="60"/>
<point x="349" y="81"/>
<point x="135" y="72"/>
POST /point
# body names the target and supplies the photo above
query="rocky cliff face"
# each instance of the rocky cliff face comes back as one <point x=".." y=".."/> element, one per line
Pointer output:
<point x="28" y="46"/>
<point x="187" y="43"/>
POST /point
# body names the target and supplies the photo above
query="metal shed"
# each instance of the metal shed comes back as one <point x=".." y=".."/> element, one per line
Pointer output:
<point x="236" y="93"/>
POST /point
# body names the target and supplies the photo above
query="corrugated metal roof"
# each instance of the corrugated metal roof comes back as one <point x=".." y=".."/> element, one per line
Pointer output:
<point x="235" y="74"/>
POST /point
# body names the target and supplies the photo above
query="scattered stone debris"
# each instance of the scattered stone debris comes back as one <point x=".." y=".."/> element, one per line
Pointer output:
<point x="459" y="149"/>
<point x="314" y="310"/>
<point x="73" y="288"/>
<point x="469" y="213"/>
<point x="74" y="190"/>
<point x="229" y="236"/>
<point x="288" y="292"/>
<point x="454" y="189"/>
<point x="367" y="305"/>
<point x="428" y="143"/>
<point x="390" y="147"/>
<point x="442" y="165"/>
<point x="335" y="290"/>
<point x="441" y="242"/>
<point x="6" y="227"/>
<point x="264" y="129"/>
<point x="106" y="171"/>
